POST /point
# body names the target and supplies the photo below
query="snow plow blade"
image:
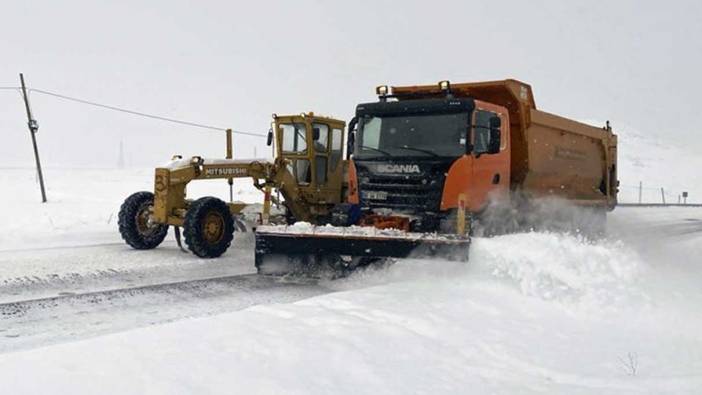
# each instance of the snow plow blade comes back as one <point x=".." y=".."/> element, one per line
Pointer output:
<point x="307" y="250"/>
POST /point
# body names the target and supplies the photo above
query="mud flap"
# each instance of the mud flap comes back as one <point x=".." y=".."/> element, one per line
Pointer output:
<point x="279" y="251"/>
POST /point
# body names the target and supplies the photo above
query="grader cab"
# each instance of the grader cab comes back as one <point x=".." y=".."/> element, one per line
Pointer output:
<point x="307" y="171"/>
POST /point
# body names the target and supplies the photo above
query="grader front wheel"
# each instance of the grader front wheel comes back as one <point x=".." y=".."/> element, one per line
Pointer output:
<point x="208" y="227"/>
<point x="135" y="224"/>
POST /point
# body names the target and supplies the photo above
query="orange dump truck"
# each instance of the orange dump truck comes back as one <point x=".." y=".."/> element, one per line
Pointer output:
<point x="524" y="150"/>
<point x="424" y="162"/>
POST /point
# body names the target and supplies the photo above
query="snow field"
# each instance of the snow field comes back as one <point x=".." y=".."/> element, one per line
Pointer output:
<point x="530" y="313"/>
<point x="411" y="329"/>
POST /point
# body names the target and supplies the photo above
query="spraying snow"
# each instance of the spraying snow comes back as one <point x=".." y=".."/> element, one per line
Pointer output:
<point x="561" y="267"/>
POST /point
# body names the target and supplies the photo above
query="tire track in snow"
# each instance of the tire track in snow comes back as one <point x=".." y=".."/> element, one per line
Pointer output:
<point x="200" y="287"/>
<point x="34" y="322"/>
<point x="63" y="247"/>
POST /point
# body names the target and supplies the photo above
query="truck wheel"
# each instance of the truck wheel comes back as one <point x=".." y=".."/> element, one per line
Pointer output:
<point x="135" y="223"/>
<point x="208" y="227"/>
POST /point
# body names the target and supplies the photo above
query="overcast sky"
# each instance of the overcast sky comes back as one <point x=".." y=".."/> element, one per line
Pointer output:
<point x="234" y="63"/>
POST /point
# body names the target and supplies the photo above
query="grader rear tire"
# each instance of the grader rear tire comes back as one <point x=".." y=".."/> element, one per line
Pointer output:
<point x="208" y="227"/>
<point x="136" y="227"/>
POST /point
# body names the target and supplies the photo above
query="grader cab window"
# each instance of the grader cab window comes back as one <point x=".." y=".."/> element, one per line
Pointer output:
<point x="321" y="169"/>
<point x="300" y="168"/>
<point x="321" y="148"/>
<point x="321" y="132"/>
<point x="294" y="137"/>
<point x="337" y="146"/>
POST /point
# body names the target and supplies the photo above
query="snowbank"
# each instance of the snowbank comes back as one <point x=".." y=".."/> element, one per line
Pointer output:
<point x="532" y="313"/>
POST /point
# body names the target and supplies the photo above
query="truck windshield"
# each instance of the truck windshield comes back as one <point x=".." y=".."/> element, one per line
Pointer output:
<point x="441" y="135"/>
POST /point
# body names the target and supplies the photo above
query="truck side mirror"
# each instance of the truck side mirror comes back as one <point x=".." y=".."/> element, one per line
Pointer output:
<point x="495" y="122"/>
<point x="495" y="135"/>
<point x="269" y="138"/>
<point x="352" y="124"/>
<point x="495" y="141"/>
<point x="351" y="143"/>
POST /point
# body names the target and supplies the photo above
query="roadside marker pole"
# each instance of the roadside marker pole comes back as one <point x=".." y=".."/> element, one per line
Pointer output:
<point x="33" y="128"/>
<point x="230" y="155"/>
<point x="640" y="190"/>
<point x="663" y="195"/>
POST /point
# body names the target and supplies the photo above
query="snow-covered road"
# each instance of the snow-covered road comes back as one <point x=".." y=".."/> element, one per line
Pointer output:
<point x="67" y="317"/>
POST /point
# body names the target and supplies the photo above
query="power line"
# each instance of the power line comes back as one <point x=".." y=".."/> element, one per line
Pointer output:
<point x="141" y="114"/>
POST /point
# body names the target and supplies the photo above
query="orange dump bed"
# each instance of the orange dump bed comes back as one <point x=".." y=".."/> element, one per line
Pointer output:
<point x="550" y="155"/>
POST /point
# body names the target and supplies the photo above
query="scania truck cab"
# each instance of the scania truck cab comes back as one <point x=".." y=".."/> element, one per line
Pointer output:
<point x="416" y="159"/>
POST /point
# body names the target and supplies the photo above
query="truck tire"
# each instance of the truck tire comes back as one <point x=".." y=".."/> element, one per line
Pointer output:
<point x="208" y="227"/>
<point x="134" y="224"/>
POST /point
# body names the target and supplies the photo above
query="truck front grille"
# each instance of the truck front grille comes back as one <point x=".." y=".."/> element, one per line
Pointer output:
<point x="418" y="192"/>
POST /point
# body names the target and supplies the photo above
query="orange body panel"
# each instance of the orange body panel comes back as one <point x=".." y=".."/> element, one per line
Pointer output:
<point x="457" y="179"/>
<point x="484" y="178"/>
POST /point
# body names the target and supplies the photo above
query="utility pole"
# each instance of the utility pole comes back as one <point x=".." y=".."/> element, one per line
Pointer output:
<point x="33" y="128"/>
<point x="663" y="195"/>
<point x="640" y="190"/>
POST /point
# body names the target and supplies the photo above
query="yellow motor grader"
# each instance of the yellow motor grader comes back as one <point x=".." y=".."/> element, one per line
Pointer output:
<point x="308" y="171"/>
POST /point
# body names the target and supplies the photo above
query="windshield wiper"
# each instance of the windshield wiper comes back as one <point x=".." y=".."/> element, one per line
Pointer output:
<point x="376" y="150"/>
<point x="426" y="151"/>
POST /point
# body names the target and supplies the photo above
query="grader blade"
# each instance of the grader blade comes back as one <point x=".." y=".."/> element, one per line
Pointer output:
<point x="291" y="249"/>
